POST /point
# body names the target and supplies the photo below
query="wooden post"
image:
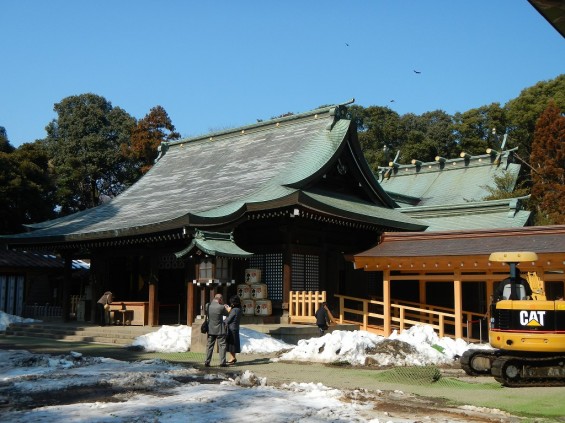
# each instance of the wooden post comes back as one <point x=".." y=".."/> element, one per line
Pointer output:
<point x="287" y="282"/>
<point x="386" y="303"/>
<point x="66" y="294"/>
<point x="365" y="314"/>
<point x="189" y="303"/>
<point x="458" y="304"/>
<point x="153" y="313"/>
<point x="490" y="288"/>
<point x="152" y="304"/>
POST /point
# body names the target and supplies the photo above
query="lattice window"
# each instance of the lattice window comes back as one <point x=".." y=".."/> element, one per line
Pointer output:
<point x="271" y="266"/>
<point x="305" y="272"/>
<point x="222" y="268"/>
<point x="12" y="294"/>
<point x="206" y="269"/>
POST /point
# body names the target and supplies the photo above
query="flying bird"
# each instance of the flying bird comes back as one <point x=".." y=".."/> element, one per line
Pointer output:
<point x="415" y="71"/>
<point x="347" y="44"/>
<point x="392" y="101"/>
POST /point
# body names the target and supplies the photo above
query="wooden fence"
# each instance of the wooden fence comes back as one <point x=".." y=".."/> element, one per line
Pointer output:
<point x="303" y="305"/>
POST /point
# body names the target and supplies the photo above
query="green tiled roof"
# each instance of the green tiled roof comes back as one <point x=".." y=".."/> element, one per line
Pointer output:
<point x="214" y="244"/>
<point x="506" y="213"/>
<point x="449" y="195"/>
<point x="457" y="181"/>
<point x="212" y="179"/>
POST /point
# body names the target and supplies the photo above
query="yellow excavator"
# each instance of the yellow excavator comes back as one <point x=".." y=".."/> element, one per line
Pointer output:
<point x="527" y="335"/>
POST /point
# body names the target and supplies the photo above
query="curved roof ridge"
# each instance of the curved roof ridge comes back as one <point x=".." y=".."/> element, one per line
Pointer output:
<point x="264" y="125"/>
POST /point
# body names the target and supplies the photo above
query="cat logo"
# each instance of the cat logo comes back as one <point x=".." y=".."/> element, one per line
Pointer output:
<point x="532" y="318"/>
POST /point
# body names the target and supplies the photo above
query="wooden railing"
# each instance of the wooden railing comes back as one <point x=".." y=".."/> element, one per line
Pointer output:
<point x="470" y="318"/>
<point x="303" y="305"/>
<point x="370" y="316"/>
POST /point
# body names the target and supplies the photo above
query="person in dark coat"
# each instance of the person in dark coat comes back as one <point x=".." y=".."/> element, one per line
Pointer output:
<point x="104" y="307"/>
<point x="233" y="345"/>
<point x="322" y="318"/>
<point x="216" y="329"/>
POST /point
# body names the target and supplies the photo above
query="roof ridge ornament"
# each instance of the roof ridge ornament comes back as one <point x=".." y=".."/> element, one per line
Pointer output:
<point x="339" y="111"/>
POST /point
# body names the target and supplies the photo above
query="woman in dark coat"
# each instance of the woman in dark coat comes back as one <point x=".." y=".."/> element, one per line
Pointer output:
<point x="232" y="322"/>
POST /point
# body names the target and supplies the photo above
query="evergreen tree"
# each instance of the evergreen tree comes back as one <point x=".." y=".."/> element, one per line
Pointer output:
<point x="26" y="187"/>
<point x="5" y="145"/>
<point x="84" y="143"/>
<point x="548" y="166"/>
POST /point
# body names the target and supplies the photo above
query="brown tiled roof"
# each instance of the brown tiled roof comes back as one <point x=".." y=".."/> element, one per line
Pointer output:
<point x="540" y="239"/>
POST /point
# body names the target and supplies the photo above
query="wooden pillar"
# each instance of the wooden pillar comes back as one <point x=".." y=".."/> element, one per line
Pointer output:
<point x="422" y="293"/>
<point x="189" y="303"/>
<point x="422" y="298"/>
<point x="152" y="304"/>
<point x="387" y="324"/>
<point x="153" y="315"/>
<point x="67" y="280"/>
<point x="489" y="288"/>
<point x="287" y="283"/>
<point x="458" y="304"/>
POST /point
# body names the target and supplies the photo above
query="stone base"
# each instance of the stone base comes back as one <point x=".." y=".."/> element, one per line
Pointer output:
<point x="260" y="320"/>
<point x="198" y="339"/>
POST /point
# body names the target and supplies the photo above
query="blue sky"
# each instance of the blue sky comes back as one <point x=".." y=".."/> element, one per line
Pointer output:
<point x="219" y="64"/>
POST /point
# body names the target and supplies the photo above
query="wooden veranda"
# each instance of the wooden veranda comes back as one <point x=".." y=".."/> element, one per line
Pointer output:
<point x="456" y="258"/>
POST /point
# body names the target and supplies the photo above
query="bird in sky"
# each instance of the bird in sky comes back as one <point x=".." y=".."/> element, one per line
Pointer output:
<point x="392" y="101"/>
<point x="415" y="71"/>
<point x="347" y="44"/>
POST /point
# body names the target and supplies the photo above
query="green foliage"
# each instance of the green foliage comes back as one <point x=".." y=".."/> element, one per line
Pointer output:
<point x="84" y="144"/>
<point x="26" y="187"/>
<point x="378" y="133"/>
<point x="427" y="136"/>
<point x="504" y="187"/>
<point x="524" y="111"/>
<point x="5" y="146"/>
<point x="474" y="128"/>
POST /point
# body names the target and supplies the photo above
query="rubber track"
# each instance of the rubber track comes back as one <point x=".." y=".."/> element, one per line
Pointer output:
<point x="498" y="364"/>
<point x="468" y="355"/>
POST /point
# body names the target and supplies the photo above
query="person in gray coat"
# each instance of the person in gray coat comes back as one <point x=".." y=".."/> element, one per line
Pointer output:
<point x="216" y="329"/>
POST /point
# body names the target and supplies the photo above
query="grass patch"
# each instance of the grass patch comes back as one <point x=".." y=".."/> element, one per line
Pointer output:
<point x="429" y="376"/>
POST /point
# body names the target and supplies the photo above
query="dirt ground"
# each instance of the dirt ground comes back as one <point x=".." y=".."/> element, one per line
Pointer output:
<point x="421" y="394"/>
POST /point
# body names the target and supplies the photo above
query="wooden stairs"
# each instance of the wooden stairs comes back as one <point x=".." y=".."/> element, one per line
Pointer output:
<point x="79" y="332"/>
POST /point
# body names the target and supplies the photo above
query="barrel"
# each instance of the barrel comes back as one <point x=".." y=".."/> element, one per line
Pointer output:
<point x="259" y="291"/>
<point x="248" y="307"/>
<point x="252" y="276"/>
<point x="263" y="308"/>
<point x="244" y="291"/>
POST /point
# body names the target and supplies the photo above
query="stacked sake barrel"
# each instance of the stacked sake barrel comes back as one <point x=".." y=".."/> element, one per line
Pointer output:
<point x="253" y="295"/>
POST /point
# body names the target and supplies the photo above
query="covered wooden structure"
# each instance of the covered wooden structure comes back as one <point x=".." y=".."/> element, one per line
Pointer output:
<point x="452" y="269"/>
